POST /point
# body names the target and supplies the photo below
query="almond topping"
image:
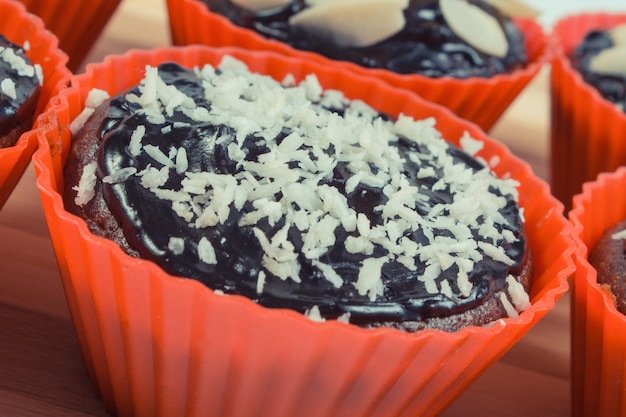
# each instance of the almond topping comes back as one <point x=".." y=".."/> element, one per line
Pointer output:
<point x="257" y="5"/>
<point x="353" y="23"/>
<point x="515" y="8"/>
<point x="610" y="62"/>
<point x="618" y="35"/>
<point x="475" y="26"/>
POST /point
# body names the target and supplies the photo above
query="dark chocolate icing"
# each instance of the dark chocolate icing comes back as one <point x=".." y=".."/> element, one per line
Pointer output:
<point x="611" y="87"/>
<point x="14" y="112"/>
<point x="426" y="45"/>
<point x="149" y="222"/>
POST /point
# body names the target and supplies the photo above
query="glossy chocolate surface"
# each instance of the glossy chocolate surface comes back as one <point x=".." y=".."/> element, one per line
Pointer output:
<point x="14" y="112"/>
<point x="611" y="87"/>
<point x="425" y="46"/>
<point x="149" y="222"/>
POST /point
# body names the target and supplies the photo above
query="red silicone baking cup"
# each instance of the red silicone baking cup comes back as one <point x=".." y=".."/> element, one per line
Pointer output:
<point x="77" y="23"/>
<point x="157" y="345"/>
<point x="598" y="329"/>
<point x="19" y="26"/>
<point x="480" y="100"/>
<point x="588" y="132"/>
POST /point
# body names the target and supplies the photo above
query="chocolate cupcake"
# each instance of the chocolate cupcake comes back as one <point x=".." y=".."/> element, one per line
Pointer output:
<point x="598" y="319"/>
<point x="469" y="56"/>
<point x="20" y="83"/>
<point x="319" y="205"/>
<point x="429" y="37"/>
<point x="607" y="257"/>
<point x="144" y="331"/>
<point x="587" y="121"/>
<point x="601" y="59"/>
<point x="31" y="63"/>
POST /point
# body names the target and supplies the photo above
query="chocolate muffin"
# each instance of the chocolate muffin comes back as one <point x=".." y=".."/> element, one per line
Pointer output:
<point x="601" y="60"/>
<point x="299" y="198"/>
<point x="20" y="82"/>
<point x="435" y="38"/>
<point x="608" y="257"/>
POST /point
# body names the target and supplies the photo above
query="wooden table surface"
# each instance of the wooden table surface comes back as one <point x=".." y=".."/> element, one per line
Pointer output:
<point x="41" y="370"/>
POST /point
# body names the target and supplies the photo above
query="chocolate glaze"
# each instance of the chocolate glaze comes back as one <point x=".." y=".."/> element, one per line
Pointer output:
<point x="14" y="112"/>
<point x="148" y="223"/>
<point x="425" y="46"/>
<point x="611" y="87"/>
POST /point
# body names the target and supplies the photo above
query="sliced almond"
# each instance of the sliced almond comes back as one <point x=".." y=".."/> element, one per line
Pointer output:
<point x="515" y="8"/>
<point x="353" y="23"/>
<point x="475" y="26"/>
<point x="322" y="2"/>
<point x="610" y="62"/>
<point x="618" y="34"/>
<point x="258" y="5"/>
<point x="311" y="3"/>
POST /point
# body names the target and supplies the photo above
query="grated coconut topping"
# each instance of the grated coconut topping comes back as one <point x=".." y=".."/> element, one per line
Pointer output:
<point x="21" y="67"/>
<point x="285" y="184"/>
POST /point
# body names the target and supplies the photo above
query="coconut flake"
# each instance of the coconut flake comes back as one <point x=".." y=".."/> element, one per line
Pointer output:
<point x="496" y="253"/>
<point x="176" y="245"/>
<point x="8" y="88"/>
<point x="181" y="161"/>
<point x="312" y="87"/>
<point x="519" y="297"/>
<point x="619" y="235"/>
<point x="344" y="318"/>
<point x="155" y="153"/>
<point x="120" y="175"/>
<point x="95" y="98"/>
<point x="370" y="277"/>
<point x="320" y="237"/>
<point x="206" y="252"/>
<point x="85" y="190"/>
<point x="279" y="257"/>
<point x="39" y="73"/>
<point x="508" y="307"/>
<point x="464" y="284"/>
<point x="329" y="273"/>
<point x="429" y="278"/>
<point x="229" y="64"/>
<point x="446" y="289"/>
<point x="134" y="146"/>
<point x="359" y="244"/>
<point x="260" y="283"/>
<point x="494" y="161"/>
<point x="17" y="63"/>
<point x="154" y="178"/>
<point x="471" y="145"/>
<point x="314" y="314"/>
